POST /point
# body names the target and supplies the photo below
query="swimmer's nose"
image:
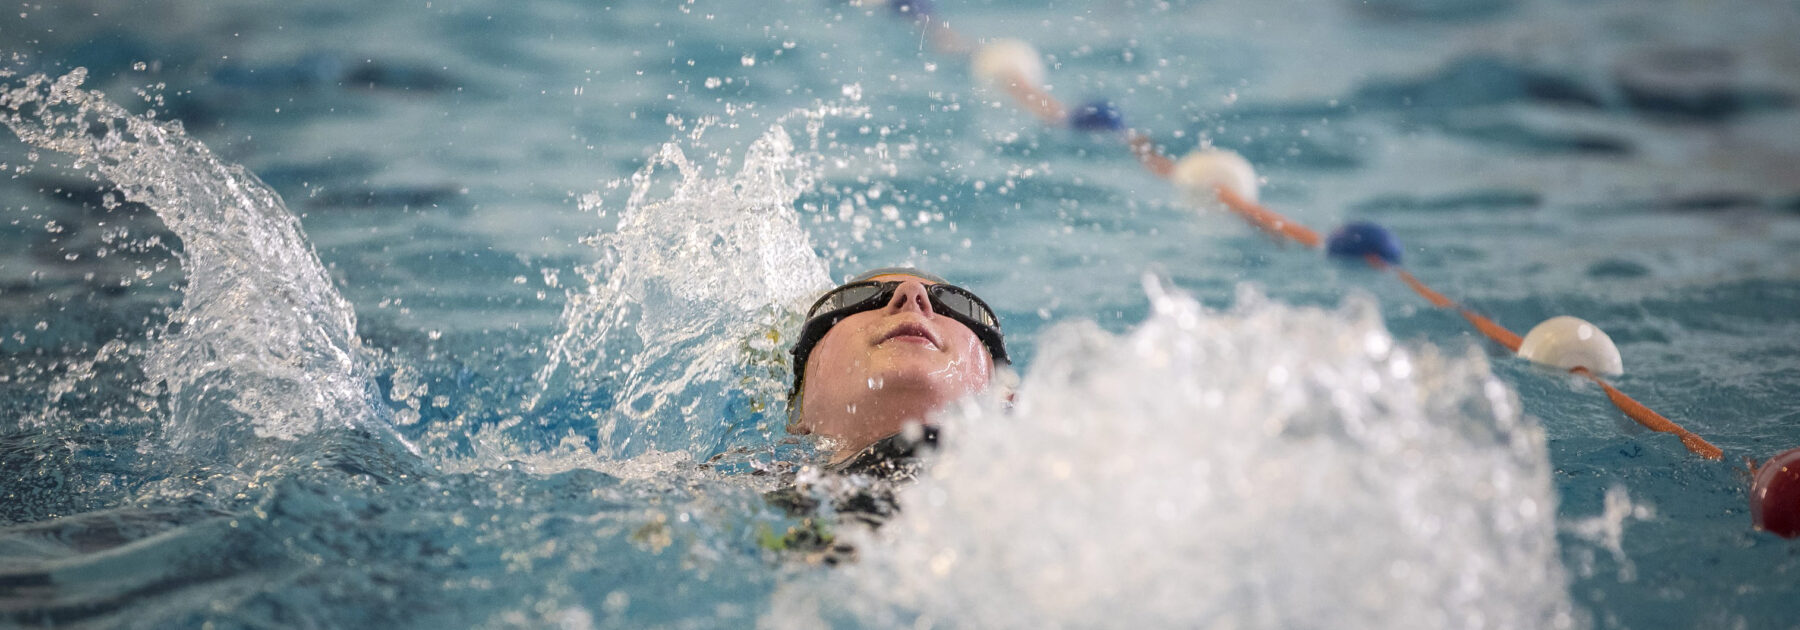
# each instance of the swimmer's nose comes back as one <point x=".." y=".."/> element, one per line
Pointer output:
<point x="910" y="295"/>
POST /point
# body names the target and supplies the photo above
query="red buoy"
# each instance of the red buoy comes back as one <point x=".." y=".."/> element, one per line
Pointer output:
<point x="1775" y="495"/>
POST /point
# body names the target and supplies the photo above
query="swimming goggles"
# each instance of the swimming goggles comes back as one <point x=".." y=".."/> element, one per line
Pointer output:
<point x="949" y="300"/>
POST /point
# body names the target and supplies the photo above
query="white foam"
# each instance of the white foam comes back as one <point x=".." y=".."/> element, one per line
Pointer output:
<point x="699" y="279"/>
<point x="1270" y="467"/>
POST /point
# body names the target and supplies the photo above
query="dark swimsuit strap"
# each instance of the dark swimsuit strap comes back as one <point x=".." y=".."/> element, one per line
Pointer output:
<point x="894" y="458"/>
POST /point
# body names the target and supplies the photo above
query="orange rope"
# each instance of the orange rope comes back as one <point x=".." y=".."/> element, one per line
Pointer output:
<point x="1145" y="150"/>
<point x="1268" y="220"/>
<point x="1435" y="298"/>
<point x="1485" y="326"/>
<point x="1494" y="331"/>
<point x="1035" y="99"/>
<point x="1652" y="420"/>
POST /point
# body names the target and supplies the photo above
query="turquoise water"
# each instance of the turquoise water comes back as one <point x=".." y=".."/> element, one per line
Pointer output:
<point x="458" y="313"/>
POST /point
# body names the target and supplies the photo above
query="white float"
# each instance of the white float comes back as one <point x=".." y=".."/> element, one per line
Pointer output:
<point x="1003" y="61"/>
<point x="1199" y="172"/>
<point x="1568" y="342"/>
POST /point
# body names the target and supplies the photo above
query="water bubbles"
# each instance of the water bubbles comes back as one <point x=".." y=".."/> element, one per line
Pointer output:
<point x="1377" y="343"/>
<point x="616" y="602"/>
<point x="748" y="60"/>
<point x="713" y="83"/>
<point x="1607" y="529"/>
<point x="1278" y="376"/>
<point x="852" y="91"/>
<point x="1400" y="367"/>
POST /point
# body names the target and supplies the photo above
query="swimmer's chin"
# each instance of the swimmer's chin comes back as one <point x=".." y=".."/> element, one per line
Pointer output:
<point x="914" y="374"/>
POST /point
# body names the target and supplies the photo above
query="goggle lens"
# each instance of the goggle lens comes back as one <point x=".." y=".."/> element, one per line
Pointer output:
<point x="963" y="303"/>
<point x="849" y="295"/>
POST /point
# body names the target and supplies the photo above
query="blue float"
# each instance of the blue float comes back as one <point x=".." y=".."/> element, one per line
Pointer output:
<point x="1097" y="115"/>
<point x="1358" y="239"/>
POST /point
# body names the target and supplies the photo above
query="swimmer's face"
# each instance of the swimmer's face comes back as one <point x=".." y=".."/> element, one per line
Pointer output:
<point x="877" y="370"/>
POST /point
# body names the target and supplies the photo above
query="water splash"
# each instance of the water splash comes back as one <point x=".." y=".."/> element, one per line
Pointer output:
<point x="1270" y="467"/>
<point x="262" y="349"/>
<point x="685" y="314"/>
<point x="1606" y="530"/>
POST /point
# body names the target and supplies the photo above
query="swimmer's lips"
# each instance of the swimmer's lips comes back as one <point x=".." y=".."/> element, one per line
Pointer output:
<point x="912" y="333"/>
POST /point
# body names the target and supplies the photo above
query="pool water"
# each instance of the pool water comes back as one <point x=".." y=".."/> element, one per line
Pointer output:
<point x="474" y="313"/>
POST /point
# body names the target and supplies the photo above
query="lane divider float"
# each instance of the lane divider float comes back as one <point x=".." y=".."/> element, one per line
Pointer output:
<point x="1208" y="175"/>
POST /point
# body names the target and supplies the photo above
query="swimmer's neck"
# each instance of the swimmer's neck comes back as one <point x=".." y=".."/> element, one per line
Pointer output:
<point x="911" y="433"/>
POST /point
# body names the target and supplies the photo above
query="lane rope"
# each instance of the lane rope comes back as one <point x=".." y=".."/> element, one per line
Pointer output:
<point x="1016" y="68"/>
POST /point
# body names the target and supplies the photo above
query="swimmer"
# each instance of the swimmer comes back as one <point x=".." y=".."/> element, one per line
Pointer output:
<point x="883" y="352"/>
<point x="876" y="357"/>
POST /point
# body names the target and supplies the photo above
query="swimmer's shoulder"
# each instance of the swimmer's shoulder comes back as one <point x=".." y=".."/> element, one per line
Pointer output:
<point x="858" y="491"/>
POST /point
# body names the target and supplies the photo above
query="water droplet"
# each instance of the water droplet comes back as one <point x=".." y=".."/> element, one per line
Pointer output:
<point x="616" y="602"/>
